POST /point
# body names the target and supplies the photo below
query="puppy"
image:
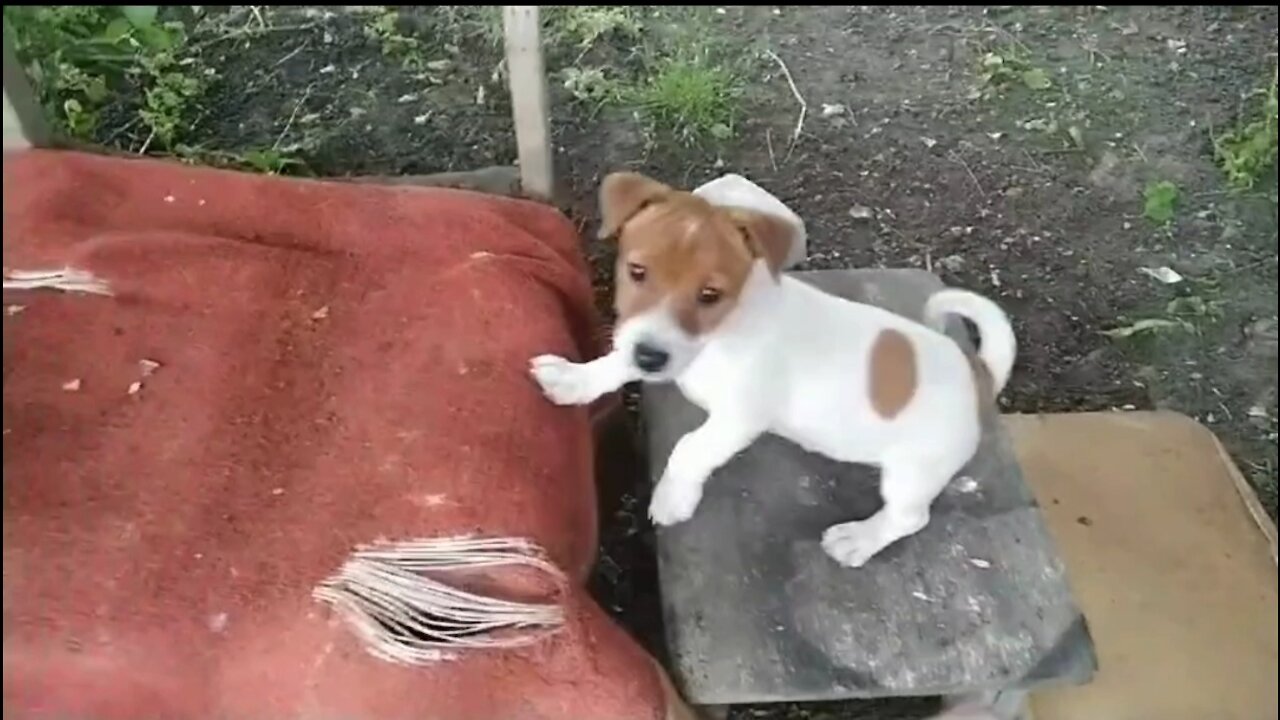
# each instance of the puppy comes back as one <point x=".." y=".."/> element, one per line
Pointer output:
<point x="701" y="301"/>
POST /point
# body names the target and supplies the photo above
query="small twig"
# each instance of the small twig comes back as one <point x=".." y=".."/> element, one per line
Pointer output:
<point x="292" y="116"/>
<point x="768" y="141"/>
<point x="804" y="106"/>
<point x="1235" y="193"/>
<point x="1094" y="53"/>
<point x="291" y="54"/>
<point x="1249" y="265"/>
<point x="147" y="143"/>
<point x="1039" y="166"/>
<point x="121" y="130"/>
<point x="247" y="32"/>
<point x="1141" y="154"/>
<point x="1227" y="410"/>
<point x="1013" y="38"/>
<point x="955" y="158"/>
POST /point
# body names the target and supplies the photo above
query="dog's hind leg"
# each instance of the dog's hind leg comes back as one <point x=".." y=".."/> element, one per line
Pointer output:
<point x="909" y="483"/>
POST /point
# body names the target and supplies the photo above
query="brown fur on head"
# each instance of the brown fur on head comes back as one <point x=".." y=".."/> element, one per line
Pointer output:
<point x="676" y="247"/>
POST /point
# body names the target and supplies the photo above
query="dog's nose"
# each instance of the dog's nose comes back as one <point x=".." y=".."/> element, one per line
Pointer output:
<point x="650" y="358"/>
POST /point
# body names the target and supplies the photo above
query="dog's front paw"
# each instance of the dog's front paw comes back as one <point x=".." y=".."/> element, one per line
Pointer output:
<point x="852" y="544"/>
<point x="563" y="382"/>
<point x="674" y="501"/>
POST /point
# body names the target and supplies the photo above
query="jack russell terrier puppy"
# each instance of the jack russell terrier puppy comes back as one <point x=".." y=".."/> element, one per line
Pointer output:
<point x="701" y="301"/>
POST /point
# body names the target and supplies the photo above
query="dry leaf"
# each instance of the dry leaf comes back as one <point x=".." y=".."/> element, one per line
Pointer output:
<point x="1146" y="325"/>
<point x="1164" y="274"/>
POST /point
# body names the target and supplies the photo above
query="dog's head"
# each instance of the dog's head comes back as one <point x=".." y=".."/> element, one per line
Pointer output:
<point x="683" y="265"/>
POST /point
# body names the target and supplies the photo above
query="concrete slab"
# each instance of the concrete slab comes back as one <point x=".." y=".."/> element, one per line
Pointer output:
<point x="756" y="612"/>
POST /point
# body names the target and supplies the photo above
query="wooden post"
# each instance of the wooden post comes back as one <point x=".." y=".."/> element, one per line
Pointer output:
<point x="24" y="122"/>
<point x="529" y="104"/>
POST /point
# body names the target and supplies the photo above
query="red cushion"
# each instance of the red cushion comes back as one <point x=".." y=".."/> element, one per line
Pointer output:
<point x="338" y="365"/>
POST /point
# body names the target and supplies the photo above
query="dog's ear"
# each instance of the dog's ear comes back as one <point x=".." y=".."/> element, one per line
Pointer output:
<point x="622" y="195"/>
<point x="768" y="236"/>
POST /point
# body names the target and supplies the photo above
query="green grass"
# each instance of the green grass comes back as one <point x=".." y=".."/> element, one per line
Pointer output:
<point x="690" y="97"/>
<point x="668" y="66"/>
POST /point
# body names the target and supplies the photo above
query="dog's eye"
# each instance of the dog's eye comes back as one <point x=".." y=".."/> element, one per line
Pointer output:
<point x="708" y="296"/>
<point x="636" y="272"/>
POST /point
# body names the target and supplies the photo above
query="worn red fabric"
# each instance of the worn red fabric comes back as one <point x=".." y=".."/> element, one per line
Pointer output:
<point x="338" y="364"/>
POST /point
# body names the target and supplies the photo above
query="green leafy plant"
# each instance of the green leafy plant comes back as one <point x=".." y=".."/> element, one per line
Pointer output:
<point x="385" y="30"/>
<point x="1198" y="305"/>
<point x="169" y="93"/>
<point x="1005" y="69"/>
<point x="592" y="85"/>
<point x="271" y="162"/>
<point x="84" y="58"/>
<point x="1160" y="200"/>
<point x="585" y="25"/>
<point x="1247" y="152"/>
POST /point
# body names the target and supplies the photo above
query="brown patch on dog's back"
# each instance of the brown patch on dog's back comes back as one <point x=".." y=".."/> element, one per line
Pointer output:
<point x="893" y="374"/>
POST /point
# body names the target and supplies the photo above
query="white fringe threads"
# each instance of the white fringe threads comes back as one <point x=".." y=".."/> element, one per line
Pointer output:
<point x="405" y="616"/>
<point x="66" y="279"/>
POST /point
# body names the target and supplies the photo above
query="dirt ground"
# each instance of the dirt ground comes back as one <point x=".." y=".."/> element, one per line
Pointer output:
<point x="1006" y="148"/>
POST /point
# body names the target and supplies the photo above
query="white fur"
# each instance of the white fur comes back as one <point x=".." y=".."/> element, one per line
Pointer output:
<point x="793" y="360"/>
<point x="733" y="190"/>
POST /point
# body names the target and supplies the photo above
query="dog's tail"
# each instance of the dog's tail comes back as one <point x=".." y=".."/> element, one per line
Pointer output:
<point x="997" y="345"/>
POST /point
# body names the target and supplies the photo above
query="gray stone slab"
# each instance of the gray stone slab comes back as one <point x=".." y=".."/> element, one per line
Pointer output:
<point x="756" y="612"/>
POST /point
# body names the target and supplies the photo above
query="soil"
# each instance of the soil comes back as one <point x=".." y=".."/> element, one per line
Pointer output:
<point x="901" y="160"/>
